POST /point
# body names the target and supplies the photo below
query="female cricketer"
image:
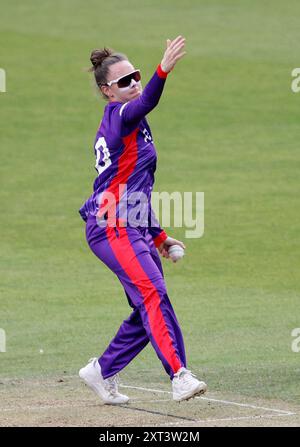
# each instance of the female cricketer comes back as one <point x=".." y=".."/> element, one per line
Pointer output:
<point x="126" y="162"/>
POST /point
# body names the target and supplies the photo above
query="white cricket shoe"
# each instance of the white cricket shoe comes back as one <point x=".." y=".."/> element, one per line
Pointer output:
<point x="185" y="385"/>
<point x="107" y="389"/>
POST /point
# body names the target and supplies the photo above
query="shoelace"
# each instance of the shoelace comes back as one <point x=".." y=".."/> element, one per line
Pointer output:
<point x="112" y="384"/>
<point x="185" y="374"/>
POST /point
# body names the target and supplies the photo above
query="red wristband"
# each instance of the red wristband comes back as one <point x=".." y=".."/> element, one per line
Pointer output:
<point x="160" y="238"/>
<point x="161" y="73"/>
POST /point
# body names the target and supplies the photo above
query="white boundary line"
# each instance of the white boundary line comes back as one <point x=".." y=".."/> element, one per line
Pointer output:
<point x="226" y="402"/>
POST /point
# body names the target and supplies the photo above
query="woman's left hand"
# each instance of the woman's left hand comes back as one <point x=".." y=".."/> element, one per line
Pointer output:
<point x="164" y="246"/>
<point x="173" y="53"/>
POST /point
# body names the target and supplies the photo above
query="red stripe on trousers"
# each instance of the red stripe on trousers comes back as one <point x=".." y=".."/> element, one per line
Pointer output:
<point x="128" y="260"/>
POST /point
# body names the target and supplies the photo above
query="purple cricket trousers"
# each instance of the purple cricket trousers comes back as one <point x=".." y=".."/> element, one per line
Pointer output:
<point x="131" y="254"/>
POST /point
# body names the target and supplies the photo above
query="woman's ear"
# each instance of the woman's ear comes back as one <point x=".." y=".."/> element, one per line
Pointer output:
<point x="105" y="89"/>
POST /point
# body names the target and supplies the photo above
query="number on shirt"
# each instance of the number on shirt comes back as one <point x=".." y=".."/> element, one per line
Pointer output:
<point x="103" y="160"/>
<point x="147" y="136"/>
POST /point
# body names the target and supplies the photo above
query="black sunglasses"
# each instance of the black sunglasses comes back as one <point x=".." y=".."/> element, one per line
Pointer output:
<point x="125" y="81"/>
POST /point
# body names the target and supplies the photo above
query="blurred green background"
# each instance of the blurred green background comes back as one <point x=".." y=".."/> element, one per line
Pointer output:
<point x="227" y="124"/>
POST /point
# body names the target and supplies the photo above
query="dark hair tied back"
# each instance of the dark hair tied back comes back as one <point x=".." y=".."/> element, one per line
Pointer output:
<point x="102" y="59"/>
<point x="98" y="56"/>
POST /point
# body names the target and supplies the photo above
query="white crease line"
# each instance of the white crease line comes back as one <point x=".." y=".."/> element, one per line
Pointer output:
<point x="280" y="412"/>
<point x="49" y="407"/>
<point x="42" y="407"/>
<point x="145" y="389"/>
<point x="45" y="407"/>
<point x="147" y="401"/>
<point x="227" y="402"/>
<point x="238" y="418"/>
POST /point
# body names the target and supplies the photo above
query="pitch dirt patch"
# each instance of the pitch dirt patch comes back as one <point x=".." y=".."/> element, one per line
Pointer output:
<point x="68" y="402"/>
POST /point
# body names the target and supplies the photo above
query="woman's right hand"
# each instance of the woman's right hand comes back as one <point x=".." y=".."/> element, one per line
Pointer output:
<point x="173" y="53"/>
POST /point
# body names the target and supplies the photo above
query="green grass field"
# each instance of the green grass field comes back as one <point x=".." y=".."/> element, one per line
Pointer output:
<point x="228" y="125"/>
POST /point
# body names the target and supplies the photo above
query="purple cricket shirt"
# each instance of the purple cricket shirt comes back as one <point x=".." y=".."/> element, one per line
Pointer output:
<point x="125" y="154"/>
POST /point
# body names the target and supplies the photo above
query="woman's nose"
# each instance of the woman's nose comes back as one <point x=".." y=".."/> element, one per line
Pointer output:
<point x="133" y="83"/>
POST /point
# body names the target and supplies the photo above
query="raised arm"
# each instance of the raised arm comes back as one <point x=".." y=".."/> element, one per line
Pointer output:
<point x="135" y="110"/>
<point x="129" y="114"/>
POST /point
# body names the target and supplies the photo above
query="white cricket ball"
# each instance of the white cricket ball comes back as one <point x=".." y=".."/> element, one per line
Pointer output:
<point x="176" y="252"/>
